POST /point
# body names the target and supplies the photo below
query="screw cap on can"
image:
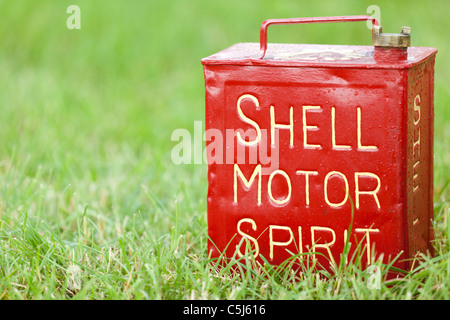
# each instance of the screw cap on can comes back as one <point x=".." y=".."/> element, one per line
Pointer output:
<point x="393" y="40"/>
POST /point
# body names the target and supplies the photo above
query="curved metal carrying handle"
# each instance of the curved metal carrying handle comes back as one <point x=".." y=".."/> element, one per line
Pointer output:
<point x="267" y="23"/>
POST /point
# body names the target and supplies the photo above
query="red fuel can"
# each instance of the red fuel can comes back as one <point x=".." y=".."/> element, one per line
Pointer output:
<point x="313" y="146"/>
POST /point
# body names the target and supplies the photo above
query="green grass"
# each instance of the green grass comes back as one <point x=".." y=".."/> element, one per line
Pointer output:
<point x="91" y="206"/>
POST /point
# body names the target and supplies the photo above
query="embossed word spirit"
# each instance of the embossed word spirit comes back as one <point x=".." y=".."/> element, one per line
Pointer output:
<point x="352" y="127"/>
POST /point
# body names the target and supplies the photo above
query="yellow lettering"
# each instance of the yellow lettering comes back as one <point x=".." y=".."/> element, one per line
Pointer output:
<point x="278" y="243"/>
<point x="415" y="176"/>
<point x="307" y="173"/>
<point x="367" y="232"/>
<point x="325" y="188"/>
<point x="289" y="126"/>
<point x="248" y="120"/>
<point x="358" y="122"/>
<point x="325" y="245"/>
<point x="416" y="144"/>
<point x="306" y="127"/>
<point x="417" y="109"/>
<point x="288" y="181"/>
<point x="333" y="132"/>
<point x="247" y="183"/>
<point x="372" y="192"/>
<point x="243" y="234"/>
<point x="300" y="242"/>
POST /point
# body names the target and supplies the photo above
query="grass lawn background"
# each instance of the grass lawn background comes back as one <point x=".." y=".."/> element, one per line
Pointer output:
<point x="91" y="206"/>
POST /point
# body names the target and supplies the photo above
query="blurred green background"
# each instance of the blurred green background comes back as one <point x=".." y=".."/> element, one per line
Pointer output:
<point x="86" y="116"/>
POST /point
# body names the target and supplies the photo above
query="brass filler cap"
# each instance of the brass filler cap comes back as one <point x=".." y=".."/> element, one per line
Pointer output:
<point x="392" y="40"/>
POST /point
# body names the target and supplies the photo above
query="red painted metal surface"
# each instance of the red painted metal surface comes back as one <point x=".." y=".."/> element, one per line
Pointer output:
<point x="300" y="140"/>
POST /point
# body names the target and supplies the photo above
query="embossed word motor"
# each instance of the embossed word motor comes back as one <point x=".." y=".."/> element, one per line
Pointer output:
<point x="310" y="147"/>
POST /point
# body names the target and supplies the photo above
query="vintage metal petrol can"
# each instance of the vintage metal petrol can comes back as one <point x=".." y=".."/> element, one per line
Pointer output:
<point x="310" y="147"/>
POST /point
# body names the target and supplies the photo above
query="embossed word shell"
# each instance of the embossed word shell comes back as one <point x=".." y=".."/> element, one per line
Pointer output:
<point x="348" y="128"/>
